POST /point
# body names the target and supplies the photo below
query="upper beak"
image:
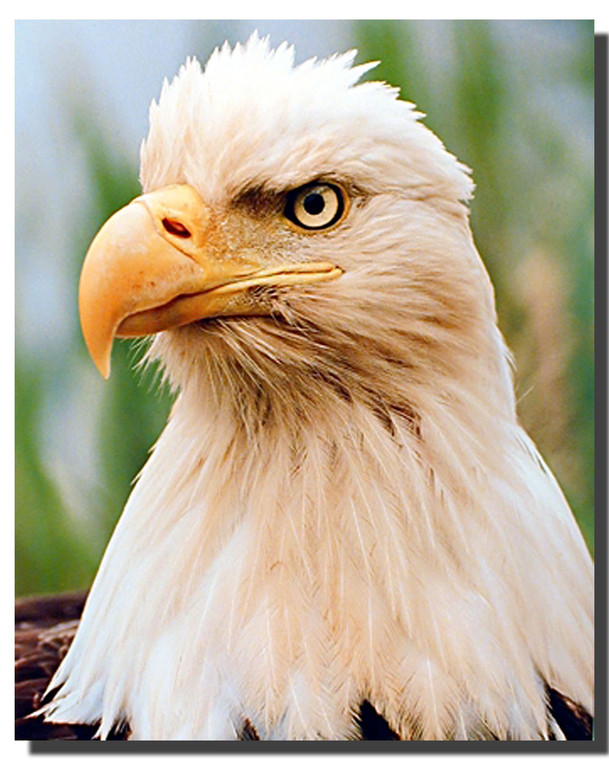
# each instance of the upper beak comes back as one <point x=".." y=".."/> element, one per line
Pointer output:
<point x="159" y="263"/>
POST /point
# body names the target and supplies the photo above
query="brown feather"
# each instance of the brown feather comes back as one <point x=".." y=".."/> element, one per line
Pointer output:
<point x="44" y="629"/>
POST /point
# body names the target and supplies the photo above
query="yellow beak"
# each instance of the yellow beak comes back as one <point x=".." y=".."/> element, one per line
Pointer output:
<point x="160" y="262"/>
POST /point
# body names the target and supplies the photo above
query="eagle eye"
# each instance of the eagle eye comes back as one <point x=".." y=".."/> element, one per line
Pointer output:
<point x="316" y="206"/>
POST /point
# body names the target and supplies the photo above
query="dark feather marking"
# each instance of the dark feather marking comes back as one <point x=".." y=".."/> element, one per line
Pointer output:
<point x="333" y="381"/>
<point x="380" y="409"/>
<point x="574" y="721"/>
<point x="404" y="412"/>
<point x="248" y="733"/>
<point x="373" y="726"/>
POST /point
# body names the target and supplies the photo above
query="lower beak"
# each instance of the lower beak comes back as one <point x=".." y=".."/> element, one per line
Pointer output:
<point x="157" y="264"/>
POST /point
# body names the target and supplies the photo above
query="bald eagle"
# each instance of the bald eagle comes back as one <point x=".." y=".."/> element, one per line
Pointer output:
<point x="342" y="532"/>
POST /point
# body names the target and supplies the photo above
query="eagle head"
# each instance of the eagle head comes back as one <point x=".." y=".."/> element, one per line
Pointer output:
<point x="294" y="225"/>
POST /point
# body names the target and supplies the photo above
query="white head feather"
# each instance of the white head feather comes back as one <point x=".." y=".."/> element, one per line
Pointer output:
<point x="342" y="505"/>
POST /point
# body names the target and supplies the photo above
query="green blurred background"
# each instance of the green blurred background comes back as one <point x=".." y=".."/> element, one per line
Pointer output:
<point x="513" y="100"/>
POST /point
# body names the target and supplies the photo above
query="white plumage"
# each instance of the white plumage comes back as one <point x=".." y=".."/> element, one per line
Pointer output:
<point x="342" y="506"/>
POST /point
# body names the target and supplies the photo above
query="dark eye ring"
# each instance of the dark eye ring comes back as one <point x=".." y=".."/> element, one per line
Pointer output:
<point x="316" y="206"/>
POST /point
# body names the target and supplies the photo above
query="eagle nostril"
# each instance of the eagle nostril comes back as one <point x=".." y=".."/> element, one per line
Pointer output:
<point x="176" y="228"/>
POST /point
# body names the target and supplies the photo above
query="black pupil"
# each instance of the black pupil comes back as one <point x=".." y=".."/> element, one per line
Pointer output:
<point x="314" y="203"/>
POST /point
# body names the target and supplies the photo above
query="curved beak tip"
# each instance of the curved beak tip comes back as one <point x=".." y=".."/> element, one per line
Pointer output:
<point x="104" y="369"/>
<point x="97" y="332"/>
<point x="101" y="358"/>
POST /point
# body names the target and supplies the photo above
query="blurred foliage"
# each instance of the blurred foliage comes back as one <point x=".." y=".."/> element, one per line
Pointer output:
<point x="128" y="420"/>
<point x="42" y="519"/>
<point x="532" y="218"/>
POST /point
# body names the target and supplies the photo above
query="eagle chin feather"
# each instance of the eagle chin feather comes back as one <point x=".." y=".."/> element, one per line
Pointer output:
<point x="342" y="517"/>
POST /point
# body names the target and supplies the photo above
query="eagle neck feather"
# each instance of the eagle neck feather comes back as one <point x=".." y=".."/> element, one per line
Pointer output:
<point x="283" y="561"/>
